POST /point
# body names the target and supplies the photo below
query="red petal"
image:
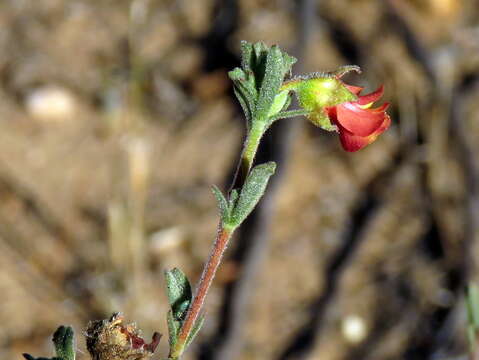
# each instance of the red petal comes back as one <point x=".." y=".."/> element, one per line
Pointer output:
<point x="362" y="122"/>
<point x="351" y="142"/>
<point x="354" y="89"/>
<point x="385" y="125"/>
<point x="372" y="97"/>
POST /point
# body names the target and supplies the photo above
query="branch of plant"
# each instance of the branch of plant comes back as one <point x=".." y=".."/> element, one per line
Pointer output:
<point x="223" y="236"/>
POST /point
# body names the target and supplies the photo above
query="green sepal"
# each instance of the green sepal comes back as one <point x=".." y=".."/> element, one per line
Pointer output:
<point x="317" y="91"/>
<point x="63" y="339"/>
<point x="194" y="331"/>
<point x="252" y="191"/>
<point x="179" y="292"/>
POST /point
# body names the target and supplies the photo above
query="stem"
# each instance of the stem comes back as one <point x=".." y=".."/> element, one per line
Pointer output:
<point x="222" y="239"/>
<point x="250" y="148"/>
<point x="207" y="276"/>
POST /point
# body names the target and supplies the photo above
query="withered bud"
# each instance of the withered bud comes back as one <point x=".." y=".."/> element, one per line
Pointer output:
<point x="113" y="340"/>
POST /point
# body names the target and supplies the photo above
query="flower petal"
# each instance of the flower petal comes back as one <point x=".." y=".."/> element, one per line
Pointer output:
<point x="385" y="125"/>
<point x="351" y="142"/>
<point x="372" y="97"/>
<point x="362" y="122"/>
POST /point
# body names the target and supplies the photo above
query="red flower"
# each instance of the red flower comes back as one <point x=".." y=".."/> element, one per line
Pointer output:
<point x="359" y="124"/>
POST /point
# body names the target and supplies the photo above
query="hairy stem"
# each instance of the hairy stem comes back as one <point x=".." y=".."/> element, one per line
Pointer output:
<point x="249" y="152"/>
<point x="222" y="239"/>
<point x="207" y="276"/>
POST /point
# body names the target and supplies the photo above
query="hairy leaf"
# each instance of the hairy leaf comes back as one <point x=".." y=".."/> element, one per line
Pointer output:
<point x="252" y="191"/>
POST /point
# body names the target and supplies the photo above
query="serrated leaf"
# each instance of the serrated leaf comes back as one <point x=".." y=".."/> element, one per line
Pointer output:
<point x="179" y="292"/>
<point x="194" y="331"/>
<point x="63" y="338"/>
<point x="174" y="327"/>
<point x="222" y="203"/>
<point x="252" y="191"/>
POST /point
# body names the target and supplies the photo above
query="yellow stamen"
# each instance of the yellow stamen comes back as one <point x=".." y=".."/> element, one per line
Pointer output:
<point x="367" y="106"/>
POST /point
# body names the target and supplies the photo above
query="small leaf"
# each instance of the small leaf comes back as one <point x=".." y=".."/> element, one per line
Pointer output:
<point x="278" y="103"/>
<point x="245" y="91"/>
<point x="232" y="200"/>
<point x="246" y="54"/>
<point x="174" y="327"/>
<point x="252" y="191"/>
<point x="273" y="78"/>
<point x="194" y="331"/>
<point x="473" y="305"/>
<point x="63" y="339"/>
<point x="179" y="292"/>
<point x="223" y="204"/>
<point x="244" y="106"/>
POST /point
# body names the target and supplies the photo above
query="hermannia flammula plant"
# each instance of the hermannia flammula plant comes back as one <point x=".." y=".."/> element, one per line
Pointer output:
<point x="264" y="94"/>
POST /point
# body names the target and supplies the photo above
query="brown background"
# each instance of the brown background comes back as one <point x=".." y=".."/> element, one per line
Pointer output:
<point x="116" y="117"/>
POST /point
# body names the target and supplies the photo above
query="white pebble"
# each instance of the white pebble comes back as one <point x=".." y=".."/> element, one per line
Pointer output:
<point x="50" y="103"/>
<point x="354" y="329"/>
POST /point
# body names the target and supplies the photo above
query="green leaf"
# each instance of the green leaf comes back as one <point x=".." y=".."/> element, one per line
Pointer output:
<point x="174" y="327"/>
<point x="232" y="200"/>
<point x="223" y="204"/>
<point x="244" y="105"/>
<point x="473" y="305"/>
<point x="278" y="103"/>
<point x="63" y="339"/>
<point x="252" y="191"/>
<point x="179" y="292"/>
<point x="245" y="91"/>
<point x="194" y="331"/>
<point x="246" y="55"/>
<point x="273" y="78"/>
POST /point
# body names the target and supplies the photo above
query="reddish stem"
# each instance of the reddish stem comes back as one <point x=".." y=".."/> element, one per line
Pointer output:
<point x="207" y="276"/>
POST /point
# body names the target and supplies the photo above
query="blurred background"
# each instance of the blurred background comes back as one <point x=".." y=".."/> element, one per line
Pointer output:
<point x="116" y="117"/>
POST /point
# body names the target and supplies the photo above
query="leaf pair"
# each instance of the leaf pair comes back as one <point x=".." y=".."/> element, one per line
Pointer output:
<point x="179" y="297"/>
<point x="63" y="339"/>
<point x="235" y="210"/>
